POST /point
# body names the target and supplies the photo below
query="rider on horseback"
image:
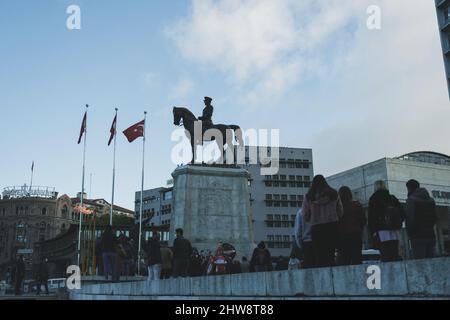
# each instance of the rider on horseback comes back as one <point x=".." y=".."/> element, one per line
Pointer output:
<point x="206" y="118"/>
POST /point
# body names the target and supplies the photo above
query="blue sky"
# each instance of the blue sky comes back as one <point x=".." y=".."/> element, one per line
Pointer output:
<point x="311" y="69"/>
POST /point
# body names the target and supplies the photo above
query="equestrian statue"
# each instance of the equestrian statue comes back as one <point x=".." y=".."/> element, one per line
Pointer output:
<point x="184" y="117"/>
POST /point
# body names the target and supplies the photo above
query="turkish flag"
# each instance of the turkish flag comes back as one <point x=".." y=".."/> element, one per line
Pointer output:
<point x="113" y="130"/>
<point x="83" y="127"/>
<point x="135" y="131"/>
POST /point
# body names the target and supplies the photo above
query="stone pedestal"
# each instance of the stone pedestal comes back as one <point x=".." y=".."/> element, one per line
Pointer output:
<point x="212" y="205"/>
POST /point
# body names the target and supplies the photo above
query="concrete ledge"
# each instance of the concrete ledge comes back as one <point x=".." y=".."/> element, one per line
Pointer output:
<point x="411" y="279"/>
<point x="352" y="280"/>
<point x="248" y="284"/>
<point x="428" y="277"/>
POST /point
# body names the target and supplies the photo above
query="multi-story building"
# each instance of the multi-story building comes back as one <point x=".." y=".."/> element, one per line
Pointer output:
<point x="275" y="199"/>
<point x="431" y="169"/>
<point x="443" y="15"/>
<point x="156" y="208"/>
<point x="30" y="215"/>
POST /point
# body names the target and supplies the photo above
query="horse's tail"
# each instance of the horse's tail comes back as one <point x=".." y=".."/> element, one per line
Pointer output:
<point x="238" y="134"/>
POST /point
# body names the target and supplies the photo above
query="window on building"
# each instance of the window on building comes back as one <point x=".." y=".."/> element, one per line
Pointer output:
<point x="276" y="177"/>
<point x="44" y="211"/>
<point x="268" y="197"/>
<point x="42" y="231"/>
<point x="270" y="217"/>
<point x="285" y="217"/>
<point x="277" y="217"/>
<point x="276" y="197"/>
<point x="21" y="232"/>
<point x="64" y="212"/>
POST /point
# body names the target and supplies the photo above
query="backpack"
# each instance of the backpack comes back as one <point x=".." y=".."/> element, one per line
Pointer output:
<point x="425" y="214"/>
<point x="393" y="216"/>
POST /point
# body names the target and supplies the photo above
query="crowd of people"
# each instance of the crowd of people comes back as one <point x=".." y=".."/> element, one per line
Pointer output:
<point x="328" y="231"/>
<point x="329" y="227"/>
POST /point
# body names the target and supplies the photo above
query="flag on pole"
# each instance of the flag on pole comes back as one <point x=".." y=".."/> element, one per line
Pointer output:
<point x="135" y="131"/>
<point x="83" y="127"/>
<point x="113" y="130"/>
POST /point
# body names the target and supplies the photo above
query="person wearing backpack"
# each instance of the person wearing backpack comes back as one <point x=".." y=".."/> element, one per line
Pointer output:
<point x="302" y="246"/>
<point x="386" y="217"/>
<point x="261" y="260"/>
<point x="420" y="220"/>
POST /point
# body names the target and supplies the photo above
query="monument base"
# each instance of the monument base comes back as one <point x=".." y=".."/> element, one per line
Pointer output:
<point x="212" y="206"/>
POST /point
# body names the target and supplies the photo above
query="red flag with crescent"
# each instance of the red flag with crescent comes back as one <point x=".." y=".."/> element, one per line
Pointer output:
<point x="135" y="131"/>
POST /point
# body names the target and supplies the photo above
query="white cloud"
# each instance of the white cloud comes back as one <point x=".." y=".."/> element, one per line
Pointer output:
<point x="366" y="94"/>
<point x="263" y="44"/>
<point x="181" y="89"/>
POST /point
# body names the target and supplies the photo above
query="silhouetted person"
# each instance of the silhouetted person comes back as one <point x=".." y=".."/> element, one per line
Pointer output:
<point x="351" y="227"/>
<point x="245" y="265"/>
<point x="386" y="216"/>
<point x="322" y="209"/>
<point x="302" y="247"/>
<point x="19" y="275"/>
<point x="166" y="262"/>
<point x="42" y="276"/>
<point x="182" y="252"/>
<point x="420" y="220"/>
<point x="109" y="254"/>
<point x="206" y="118"/>
<point x="154" y="257"/>
<point x="261" y="259"/>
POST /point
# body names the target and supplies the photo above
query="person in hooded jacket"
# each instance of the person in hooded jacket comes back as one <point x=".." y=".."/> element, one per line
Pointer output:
<point x="322" y="209"/>
<point x="420" y="220"/>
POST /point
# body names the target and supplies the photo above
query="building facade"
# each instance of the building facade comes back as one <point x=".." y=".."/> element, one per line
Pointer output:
<point x="101" y="207"/>
<point x="156" y="208"/>
<point x="30" y="215"/>
<point x="443" y="16"/>
<point x="275" y="198"/>
<point x="431" y="169"/>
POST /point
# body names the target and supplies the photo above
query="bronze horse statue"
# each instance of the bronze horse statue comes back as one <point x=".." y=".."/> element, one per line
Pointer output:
<point x="184" y="117"/>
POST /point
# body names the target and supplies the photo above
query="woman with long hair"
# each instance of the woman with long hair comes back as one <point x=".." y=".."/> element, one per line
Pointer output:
<point x="322" y="209"/>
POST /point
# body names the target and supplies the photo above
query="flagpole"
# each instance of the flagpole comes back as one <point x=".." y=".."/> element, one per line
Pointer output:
<point x="82" y="191"/>
<point x="114" y="172"/>
<point x="32" y="171"/>
<point x="142" y="196"/>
